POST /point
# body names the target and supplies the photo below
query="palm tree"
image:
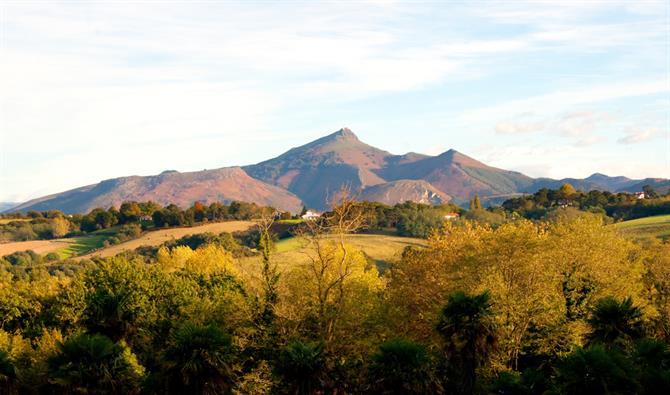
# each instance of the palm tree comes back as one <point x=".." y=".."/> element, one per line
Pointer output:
<point x="200" y="358"/>
<point x="615" y="323"/>
<point x="95" y="364"/>
<point x="466" y="324"/>
<point x="401" y="367"/>
<point x="301" y="365"/>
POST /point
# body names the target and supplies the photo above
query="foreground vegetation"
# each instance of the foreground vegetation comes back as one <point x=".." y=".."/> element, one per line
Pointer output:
<point x="568" y="306"/>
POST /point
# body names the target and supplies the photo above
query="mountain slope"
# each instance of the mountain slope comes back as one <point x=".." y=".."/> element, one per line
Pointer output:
<point x="458" y="175"/>
<point x="400" y="191"/>
<point x="182" y="189"/>
<point x="317" y="170"/>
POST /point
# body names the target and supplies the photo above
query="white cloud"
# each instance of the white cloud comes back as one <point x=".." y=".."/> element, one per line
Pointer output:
<point x="636" y="135"/>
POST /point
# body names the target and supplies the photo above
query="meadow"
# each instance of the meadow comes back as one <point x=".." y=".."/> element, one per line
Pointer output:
<point x="157" y="237"/>
<point x="656" y="226"/>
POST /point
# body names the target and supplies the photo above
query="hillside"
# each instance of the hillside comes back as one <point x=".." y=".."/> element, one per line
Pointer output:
<point x="316" y="170"/>
<point x="393" y="192"/>
<point x="312" y="173"/>
<point x="656" y="226"/>
<point x="182" y="189"/>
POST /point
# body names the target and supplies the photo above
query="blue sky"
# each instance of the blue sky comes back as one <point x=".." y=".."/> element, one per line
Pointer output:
<point x="96" y="90"/>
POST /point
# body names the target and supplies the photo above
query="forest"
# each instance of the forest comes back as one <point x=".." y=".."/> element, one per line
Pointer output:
<point x="566" y="306"/>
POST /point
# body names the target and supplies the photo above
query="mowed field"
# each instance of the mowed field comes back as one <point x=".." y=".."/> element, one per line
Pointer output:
<point x="656" y="226"/>
<point x="39" y="246"/>
<point x="158" y="237"/>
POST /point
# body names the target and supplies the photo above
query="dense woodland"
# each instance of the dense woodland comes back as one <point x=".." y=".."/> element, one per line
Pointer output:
<point x="565" y="306"/>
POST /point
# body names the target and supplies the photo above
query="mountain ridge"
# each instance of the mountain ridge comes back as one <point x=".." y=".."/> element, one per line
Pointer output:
<point x="309" y="174"/>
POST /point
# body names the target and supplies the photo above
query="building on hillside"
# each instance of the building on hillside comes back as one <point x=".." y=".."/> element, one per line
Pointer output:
<point x="640" y="195"/>
<point x="311" y="215"/>
<point x="146" y="218"/>
<point x="451" y="216"/>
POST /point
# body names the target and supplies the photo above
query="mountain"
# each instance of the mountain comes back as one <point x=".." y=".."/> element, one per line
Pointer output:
<point x="393" y="192"/>
<point x="457" y="175"/>
<point x="182" y="189"/>
<point x="317" y="170"/>
<point x="4" y="206"/>
<point x="312" y="173"/>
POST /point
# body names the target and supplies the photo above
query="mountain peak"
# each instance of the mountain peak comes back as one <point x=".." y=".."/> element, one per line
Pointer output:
<point x="345" y="133"/>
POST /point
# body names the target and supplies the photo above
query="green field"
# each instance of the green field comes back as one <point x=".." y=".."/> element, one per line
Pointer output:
<point x="82" y="245"/>
<point x="657" y="226"/>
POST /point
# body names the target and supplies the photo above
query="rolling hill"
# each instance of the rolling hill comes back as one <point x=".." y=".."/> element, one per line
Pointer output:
<point x="311" y="173"/>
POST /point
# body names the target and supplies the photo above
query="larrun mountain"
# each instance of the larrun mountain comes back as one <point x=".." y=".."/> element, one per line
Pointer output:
<point x="310" y="174"/>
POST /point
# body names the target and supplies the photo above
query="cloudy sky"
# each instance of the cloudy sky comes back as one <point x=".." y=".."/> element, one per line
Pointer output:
<point x="95" y="90"/>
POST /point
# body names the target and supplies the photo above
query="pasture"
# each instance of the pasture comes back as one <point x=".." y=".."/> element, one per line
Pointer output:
<point x="157" y="237"/>
<point x="656" y="226"/>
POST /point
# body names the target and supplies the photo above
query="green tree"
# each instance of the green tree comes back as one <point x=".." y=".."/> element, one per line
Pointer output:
<point x="94" y="364"/>
<point x="301" y="367"/>
<point x="466" y="325"/>
<point x="401" y="367"/>
<point x="475" y="203"/>
<point x="199" y="359"/>
<point x="596" y="371"/>
<point x="615" y="323"/>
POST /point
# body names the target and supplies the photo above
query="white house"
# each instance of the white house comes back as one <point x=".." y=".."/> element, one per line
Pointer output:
<point x="450" y="216"/>
<point x="640" y="195"/>
<point x="311" y="215"/>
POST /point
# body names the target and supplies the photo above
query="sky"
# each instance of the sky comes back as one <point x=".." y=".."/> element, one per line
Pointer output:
<point x="96" y="90"/>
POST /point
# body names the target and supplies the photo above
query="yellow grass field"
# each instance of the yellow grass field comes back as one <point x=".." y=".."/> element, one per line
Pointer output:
<point x="39" y="246"/>
<point x="8" y="220"/>
<point x="158" y="237"/>
<point x="381" y="248"/>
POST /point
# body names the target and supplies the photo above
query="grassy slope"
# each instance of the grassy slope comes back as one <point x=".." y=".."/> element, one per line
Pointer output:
<point x="656" y="226"/>
<point x="160" y="236"/>
<point x="78" y="246"/>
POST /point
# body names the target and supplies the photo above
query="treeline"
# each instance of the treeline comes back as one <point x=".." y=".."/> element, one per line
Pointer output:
<point x="407" y="219"/>
<point x="619" y="206"/>
<point x="526" y="307"/>
<point x="54" y="224"/>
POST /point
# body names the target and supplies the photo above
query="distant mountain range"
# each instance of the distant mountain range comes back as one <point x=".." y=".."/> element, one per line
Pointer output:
<point x="7" y="205"/>
<point x="310" y="174"/>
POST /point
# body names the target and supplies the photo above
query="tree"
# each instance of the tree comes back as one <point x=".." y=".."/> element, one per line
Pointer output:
<point x="615" y="323"/>
<point x="200" y="359"/>
<point x="466" y="325"/>
<point x="401" y="367"/>
<point x="596" y="371"/>
<point x="301" y="366"/>
<point x="59" y="227"/>
<point x="649" y="192"/>
<point x="129" y="212"/>
<point x="94" y="364"/>
<point x="475" y="203"/>
<point x="566" y="191"/>
<point x="269" y="273"/>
